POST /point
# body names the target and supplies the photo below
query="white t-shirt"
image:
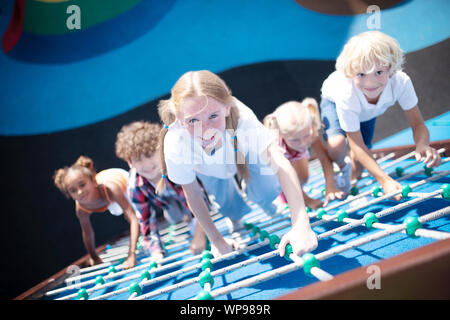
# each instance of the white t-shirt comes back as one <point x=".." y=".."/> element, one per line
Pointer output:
<point x="352" y="106"/>
<point x="184" y="156"/>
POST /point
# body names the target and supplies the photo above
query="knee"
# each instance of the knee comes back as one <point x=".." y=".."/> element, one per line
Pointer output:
<point x="337" y="146"/>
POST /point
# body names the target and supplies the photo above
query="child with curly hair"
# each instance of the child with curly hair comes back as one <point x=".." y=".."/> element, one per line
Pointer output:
<point x="98" y="192"/>
<point x="137" y="144"/>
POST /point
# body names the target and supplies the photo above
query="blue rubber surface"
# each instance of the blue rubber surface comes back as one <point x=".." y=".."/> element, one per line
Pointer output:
<point x="438" y="127"/>
<point x="64" y="82"/>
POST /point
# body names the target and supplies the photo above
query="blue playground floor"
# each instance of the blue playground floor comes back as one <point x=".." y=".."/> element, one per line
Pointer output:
<point x="67" y="81"/>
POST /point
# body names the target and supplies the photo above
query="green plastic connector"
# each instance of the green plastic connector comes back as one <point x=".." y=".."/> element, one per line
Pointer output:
<point x="370" y="218"/>
<point x="206" y="263"/>
<point x="445" y="191"/>
<point x="247" y="225"/>
<point x="287" y="251"/>
<point x="82" y="294"/>
<point x="263" y="235"/>
<point x="153" y="265"/>
<point x="206" y="254"/>
<point x="309" y="261"/>
<point x="428" y="171"/>
<point x="99" y="280"/>
<point x="412" y="224"/>
<point x="145" y="275"/>
<point x="320" y="212"/>
<point x="375" y="191"/>
<point x="406" y="190"/>
<point x="274" y="240"/>
<point x="255" y="230"/>
<point x="208" y="244"/>
<point x="135" y="288"/>
<point x="354" y="191"/>
<point x="399" y="171"/>
<point x="341" y="215"/>
<point x="205" y="277"/>
<point x="112" y="269"/>
<point x="204" y="295"/>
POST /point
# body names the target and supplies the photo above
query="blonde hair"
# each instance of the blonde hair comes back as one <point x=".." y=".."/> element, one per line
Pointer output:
<point x="194" y="84"/>
<point x="84" y="164"/>
<point x="362" y="51"/>
<point x="294" y="116"/>
<point x="136" y="139"/>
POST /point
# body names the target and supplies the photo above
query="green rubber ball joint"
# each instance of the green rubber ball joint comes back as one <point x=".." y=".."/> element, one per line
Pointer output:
<point x="205" y="277"/>
<point x="274" y="240"/>
<point x="406" y="190"/>
<point x="370" y="218"/>
<point x="287" y="252"/>
<point x="309" y="261"/>
<point x="341" y="215"/>
<point x="206" y="263"/>
<point x="445" y="191"/>
<point x="412" y="224"/>
<point x="82" y="294"/>
<point x="135" y="288"/>
<point x="204" y="295"/>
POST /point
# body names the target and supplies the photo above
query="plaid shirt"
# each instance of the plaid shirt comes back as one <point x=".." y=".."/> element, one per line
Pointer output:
<point x="144" y="198"/>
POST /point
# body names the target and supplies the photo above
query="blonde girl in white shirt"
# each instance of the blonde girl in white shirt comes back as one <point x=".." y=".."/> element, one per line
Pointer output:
<point x="368" y="80"/>
<point x="210" y="134"/>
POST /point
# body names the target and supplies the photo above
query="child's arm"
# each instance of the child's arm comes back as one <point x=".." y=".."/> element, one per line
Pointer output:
<point x="147" y="222"/>
<point x="196" y="202"/>
<point x="362" y="154"/>
<point x="301" y="236"/>
<point x="422" y="139"/>
<point x="88" y="236"/>
<point x="118" y="196"/>
<point x="331" y="192"/>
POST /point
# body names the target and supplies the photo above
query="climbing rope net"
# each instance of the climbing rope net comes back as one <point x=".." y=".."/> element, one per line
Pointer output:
<point x="181" y="269"/>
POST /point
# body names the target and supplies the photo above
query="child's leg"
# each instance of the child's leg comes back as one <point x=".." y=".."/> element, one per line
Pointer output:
<point x="367" y="129"/>
<point x="263" y="188"/>
<point x="175" y="212"/>
<point x="334" y="136"/>
<point x="226" y="196"/>
<point x="301" y="167"/>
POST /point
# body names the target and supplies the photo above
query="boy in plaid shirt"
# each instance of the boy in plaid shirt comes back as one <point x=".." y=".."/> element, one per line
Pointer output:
<point x="137" y="144"/>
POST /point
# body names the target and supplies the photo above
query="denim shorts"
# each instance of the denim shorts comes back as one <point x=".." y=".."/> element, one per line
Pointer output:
<point x="261" y="189"/>
<point x="330" y="120"/>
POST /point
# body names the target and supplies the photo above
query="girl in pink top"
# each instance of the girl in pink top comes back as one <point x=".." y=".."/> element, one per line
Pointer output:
<point x="297" y="126"/>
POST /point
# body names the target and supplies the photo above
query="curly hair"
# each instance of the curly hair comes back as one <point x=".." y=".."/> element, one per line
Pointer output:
<point x="137" y="139"/>
<point x="83" y="163"/>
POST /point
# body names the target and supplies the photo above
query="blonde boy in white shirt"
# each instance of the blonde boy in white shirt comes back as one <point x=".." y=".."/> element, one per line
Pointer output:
<point x="368" y="80"/>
